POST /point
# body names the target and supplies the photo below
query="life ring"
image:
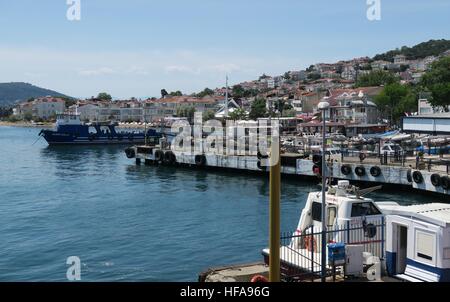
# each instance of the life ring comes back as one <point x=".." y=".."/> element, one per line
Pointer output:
<point x="261" y="156"/>
<point x="310" y="243"/>
<point x="417" y="177"/>
<point x="445" y="182"/>
<point x="317" y="159"/>
<point x="130" y="152"/>
<point x="362" y="156"/>
<point x="409" y="176"/>
<point x="200" y="160"/>
<point x="360" y="171"/>
<point x="169" y="158"/>
<point x="258" y="279"/>
<point x="375" y="171"/>
<point x="346" y="169"/>
<point x="159" y="155"/>
<point x="435" y="180"/>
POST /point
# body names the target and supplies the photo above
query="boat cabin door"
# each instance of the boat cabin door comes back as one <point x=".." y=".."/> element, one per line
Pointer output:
<point x="402" y="247"/>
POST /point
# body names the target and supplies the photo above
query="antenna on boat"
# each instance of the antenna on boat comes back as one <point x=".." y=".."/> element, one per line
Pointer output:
<point x="361" y="193"/>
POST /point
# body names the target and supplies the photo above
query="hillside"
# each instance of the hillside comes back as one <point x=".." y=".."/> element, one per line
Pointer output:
<point x="419" y="51"/>
<point x="11" y="93"/>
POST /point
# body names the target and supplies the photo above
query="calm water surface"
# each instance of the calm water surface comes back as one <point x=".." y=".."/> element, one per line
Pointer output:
<point x="129" y="222"/>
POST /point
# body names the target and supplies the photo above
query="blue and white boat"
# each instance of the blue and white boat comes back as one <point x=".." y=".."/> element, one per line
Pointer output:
<point x="70" y="130"/>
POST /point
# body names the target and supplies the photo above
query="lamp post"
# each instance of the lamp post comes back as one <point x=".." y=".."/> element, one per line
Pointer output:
<point x="324" y="106"/>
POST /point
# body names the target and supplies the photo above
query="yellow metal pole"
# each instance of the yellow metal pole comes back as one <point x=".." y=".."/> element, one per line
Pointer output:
<point x="274" y="213"/>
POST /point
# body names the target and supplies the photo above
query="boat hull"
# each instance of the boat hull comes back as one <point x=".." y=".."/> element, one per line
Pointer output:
<point x="55" y="138"/>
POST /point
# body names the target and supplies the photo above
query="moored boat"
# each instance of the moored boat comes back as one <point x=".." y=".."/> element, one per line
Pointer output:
<point x="71" y="131"/>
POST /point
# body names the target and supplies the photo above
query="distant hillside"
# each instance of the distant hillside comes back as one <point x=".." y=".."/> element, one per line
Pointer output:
<point x="420" y="51"/>
<point x="11" y="93"/>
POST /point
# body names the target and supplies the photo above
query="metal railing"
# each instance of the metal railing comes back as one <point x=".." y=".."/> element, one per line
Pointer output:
<point x="300" y="253"/>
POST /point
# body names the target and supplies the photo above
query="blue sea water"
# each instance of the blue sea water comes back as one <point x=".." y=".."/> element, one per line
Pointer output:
<point x="128" y="222"/>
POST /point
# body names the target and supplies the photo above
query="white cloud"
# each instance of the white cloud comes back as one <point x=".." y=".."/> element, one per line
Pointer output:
<point x="97" y="72"/>
<point x="132" y="73"/>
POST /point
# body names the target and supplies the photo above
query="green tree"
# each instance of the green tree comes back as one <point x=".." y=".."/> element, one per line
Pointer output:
<point x="104" y="96"/>
<point x="313" y="76"/>
<point x="376" y="78"/>
<point x="187" y="112"/>
<point x="238" y="115"/>
<point x="258" y="109"/>
<point x="238" y="92"/>
<point x="287" y="76"/>
<point x="176" y="93"/>
<point x="395" y="100"/>
<point x="437" y="81"/>
<point x="208" y="115"/>
<point x="205" y="92"/>
<point x="28" y="116"/>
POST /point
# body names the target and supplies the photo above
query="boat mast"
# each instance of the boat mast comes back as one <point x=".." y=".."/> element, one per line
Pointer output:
<point x="226" y="99"/>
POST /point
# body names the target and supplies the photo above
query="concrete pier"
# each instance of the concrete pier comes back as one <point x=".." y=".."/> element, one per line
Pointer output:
<point x="296" y="165"/>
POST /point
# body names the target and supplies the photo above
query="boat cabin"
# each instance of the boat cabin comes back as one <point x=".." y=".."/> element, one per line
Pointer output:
<point x="418" y="242"/>
<point x="345" y="207"/>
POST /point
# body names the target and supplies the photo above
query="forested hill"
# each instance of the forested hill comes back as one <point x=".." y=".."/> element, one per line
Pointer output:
<point x="11" y="93"/>
<point x="420" y="51"/>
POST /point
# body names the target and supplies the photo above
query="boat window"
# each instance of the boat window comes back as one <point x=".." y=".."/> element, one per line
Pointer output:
<point x="424" y="245"/>
<point x="317" y="211"/>
<point x="331" y="215"/>
<point x="364" y="209"/>
<point x="92" y="130"/>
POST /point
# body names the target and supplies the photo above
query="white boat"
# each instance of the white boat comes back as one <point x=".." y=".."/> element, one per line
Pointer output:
<point x="351" y="219"/>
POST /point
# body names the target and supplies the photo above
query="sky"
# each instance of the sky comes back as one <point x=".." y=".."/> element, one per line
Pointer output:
<point x="134" y="48"/>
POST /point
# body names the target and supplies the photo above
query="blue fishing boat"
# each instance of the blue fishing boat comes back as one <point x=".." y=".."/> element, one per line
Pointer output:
<point x="70" y="130"/>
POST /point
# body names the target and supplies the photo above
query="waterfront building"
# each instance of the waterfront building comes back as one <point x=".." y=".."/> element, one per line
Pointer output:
<point x="41" y="108"/>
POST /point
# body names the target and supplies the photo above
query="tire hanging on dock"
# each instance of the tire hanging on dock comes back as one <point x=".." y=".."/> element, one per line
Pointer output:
<point x="360" y="171"/>
<point x="200" y="160"/>
<point x="445" y="182"/>
<point x="261" y="156"/>
<point x="417" y="177"/>
<point x="346" y="169"/>
<point x="170" y="158"/>
<point x="436" y="180"/>
<point x="130" y="152"/>
<point x="159" y="155"/>
<point x="409" y="176"/>
<point x="375" y="171"/>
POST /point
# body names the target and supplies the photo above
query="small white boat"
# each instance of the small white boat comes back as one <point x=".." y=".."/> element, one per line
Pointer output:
<point x="351" y="219"/>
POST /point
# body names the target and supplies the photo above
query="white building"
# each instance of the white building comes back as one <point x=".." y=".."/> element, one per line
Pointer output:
<point x="42" y="108"/>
